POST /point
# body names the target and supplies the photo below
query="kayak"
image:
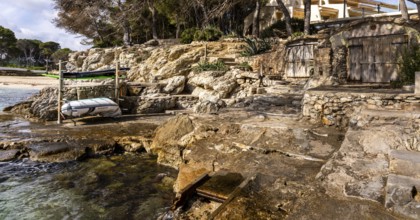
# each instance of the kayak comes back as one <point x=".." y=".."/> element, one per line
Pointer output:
<point x="104" y="107"/>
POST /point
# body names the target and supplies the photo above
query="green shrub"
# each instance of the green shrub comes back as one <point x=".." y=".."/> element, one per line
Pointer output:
<point x="297" y="34"/>
<point x="207" y="34"/>
<point x="215" y="66"/>
<point x="245" y="66"/>
<point x="255" y="46"/>
<point x="187" y="35"/>
<point x="408" y="63"/>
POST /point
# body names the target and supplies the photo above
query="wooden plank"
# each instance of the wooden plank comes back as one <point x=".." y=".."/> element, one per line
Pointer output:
<point x="188" y="191"/>
<point x="231" y="197"/>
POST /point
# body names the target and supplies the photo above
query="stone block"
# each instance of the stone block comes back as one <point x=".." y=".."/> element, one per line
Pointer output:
<point x="406" y="163"/>
<point x="417" y="83"/>
<point x="402" y="195"/>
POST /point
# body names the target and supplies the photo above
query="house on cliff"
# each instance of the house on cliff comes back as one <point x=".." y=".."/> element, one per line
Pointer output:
<point x="323" y="10"/>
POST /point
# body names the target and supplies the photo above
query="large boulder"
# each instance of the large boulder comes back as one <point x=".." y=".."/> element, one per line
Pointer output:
<point x="222" y="83"/>
<point x="175" y="85"/>
<point x="168" y="142"/>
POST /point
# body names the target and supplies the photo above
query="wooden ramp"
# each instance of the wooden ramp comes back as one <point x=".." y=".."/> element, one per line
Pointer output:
<point x="221" y="187"/>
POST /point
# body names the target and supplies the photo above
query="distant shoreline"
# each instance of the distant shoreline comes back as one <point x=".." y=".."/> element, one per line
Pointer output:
<point x="24" y="82"/>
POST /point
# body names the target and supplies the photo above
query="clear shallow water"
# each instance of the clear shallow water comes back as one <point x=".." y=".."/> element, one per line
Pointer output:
<point x="10" y="96"/>
<point x="129" y="186"/>
<point x="118" y="187"/>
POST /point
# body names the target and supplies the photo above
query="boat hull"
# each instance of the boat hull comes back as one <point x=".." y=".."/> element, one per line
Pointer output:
<point x="104" y="107"/>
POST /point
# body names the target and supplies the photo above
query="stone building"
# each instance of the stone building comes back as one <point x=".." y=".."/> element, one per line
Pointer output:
<point x="365" y="51"/>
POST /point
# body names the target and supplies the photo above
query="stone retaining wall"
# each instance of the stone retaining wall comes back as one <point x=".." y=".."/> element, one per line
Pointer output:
<point x="336" y="107"/>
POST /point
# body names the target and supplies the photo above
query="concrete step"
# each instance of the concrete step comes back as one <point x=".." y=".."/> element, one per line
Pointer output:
<point x="406" y="163"/>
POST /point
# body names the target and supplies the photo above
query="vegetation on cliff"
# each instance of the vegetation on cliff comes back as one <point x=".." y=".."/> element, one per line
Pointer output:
<point x="28" y="52"/>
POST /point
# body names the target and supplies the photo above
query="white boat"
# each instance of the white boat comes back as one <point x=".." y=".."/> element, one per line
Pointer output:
<point x="104" y="107"/>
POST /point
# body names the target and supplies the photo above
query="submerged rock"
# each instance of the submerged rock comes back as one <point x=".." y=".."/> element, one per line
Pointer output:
<point x="56" y="152"/>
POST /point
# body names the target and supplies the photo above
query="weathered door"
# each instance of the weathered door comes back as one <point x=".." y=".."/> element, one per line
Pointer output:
<point x="375" y="59"/>
<point x="300" y="61"/>
<point x="355" y="59"/>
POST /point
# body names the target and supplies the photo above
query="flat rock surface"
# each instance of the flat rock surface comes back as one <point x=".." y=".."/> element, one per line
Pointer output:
<point x="402" y="195"/>
<point x="55" y="152"/>
<point x="406" y="163"/>
<point x="8" y="155"/>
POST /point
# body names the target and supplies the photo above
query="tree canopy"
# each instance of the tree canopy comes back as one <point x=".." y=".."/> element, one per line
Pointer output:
<point x="7" y="43"/>
<point x="28" y="52"/>
<point x="106" y="23"/>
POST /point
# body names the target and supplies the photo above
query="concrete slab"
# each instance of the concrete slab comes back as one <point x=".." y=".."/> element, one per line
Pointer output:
<point x="406" y="163"/>
<point x="402" y="196"/>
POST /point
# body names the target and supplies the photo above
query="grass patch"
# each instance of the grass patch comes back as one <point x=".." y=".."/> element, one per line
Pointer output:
<point x="215" y="66"/>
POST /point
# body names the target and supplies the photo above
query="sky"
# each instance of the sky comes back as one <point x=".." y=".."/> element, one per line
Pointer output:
<point x="32" y="19"/>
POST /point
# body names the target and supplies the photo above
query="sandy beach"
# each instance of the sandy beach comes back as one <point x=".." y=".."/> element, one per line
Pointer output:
<point x="38" y="82"/>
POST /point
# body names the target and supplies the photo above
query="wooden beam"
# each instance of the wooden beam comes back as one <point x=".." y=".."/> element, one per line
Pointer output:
<point x="60" y="91"/>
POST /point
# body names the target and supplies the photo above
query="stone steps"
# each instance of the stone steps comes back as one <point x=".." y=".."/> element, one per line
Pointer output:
<point x="406" y="163"/>
<point x="403" y="183"/>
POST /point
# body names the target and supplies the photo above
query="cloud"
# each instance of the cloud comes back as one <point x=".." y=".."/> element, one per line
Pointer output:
<point x="32" y="19"/>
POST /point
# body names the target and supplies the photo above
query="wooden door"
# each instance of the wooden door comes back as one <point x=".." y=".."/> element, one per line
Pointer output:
<point x="300" y="61"/>
<point x="375" y="59"/>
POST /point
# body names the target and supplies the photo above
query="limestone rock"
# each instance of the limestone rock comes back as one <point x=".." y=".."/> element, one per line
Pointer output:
<point x="206" y="95"/>
<point x="152" y="42"/>
<point x="402" y="195"/>
<point x="8" y="155"/>
<point x="405" y="163"/>
<point x="56" y="152"/>
<point x="155" y="105"/>
<point x="166" y="142"/>
<point x="207" y="107"/>
<point x="175" y="85"/>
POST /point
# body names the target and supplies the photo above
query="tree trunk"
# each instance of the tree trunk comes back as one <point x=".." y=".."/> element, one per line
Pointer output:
<point x="127" y="33"/>
<point x="286" y="15"/>
<point x="205" y="15"/>
<point x="256" y="20"/>
<point x="178" y="28"/>
<point x="125" y="24"/>
<point x="154" y="21"/>
<point x="404" y="10"/>
<point x="307" y="26"/>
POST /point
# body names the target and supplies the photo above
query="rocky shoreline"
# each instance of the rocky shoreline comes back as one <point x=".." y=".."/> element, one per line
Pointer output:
<point x="336" y="153"/>
<point x="297" y="167"/>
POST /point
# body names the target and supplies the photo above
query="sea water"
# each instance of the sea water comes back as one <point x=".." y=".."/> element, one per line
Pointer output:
<point x="126" y="186"/>
<point x="10" y="96"/>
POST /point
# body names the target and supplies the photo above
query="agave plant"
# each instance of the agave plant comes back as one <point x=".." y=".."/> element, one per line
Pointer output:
<point x="255" y="46"/>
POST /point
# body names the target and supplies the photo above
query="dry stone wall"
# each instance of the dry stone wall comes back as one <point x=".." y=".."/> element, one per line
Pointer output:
<point x="336" y="108"/>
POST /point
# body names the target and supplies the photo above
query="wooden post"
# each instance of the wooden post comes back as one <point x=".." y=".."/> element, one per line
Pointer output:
<point x="117" y="86"/>
<point x="60" y="92"/>
<point x="205" y="52"/>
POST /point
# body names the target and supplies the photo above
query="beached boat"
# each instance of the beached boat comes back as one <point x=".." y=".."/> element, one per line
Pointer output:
<point x="104" y="107"/>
